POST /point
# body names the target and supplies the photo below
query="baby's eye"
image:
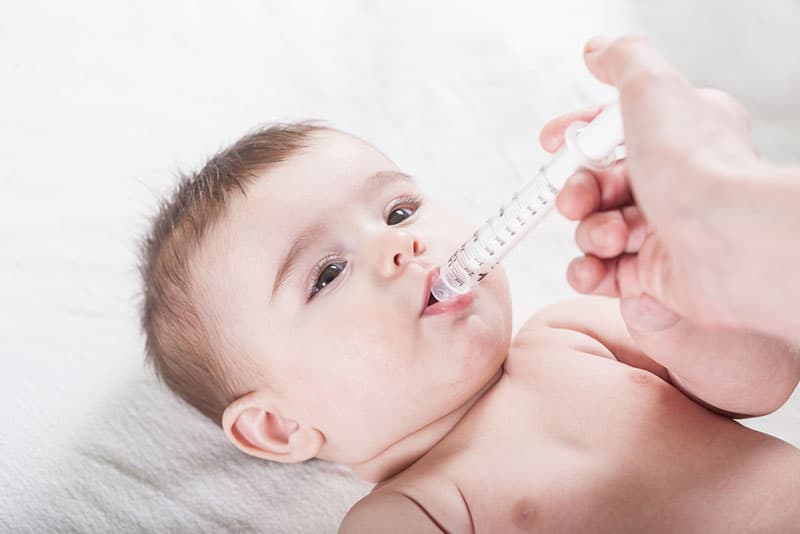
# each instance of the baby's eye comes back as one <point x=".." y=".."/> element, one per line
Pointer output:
<point x="327" y="275"/>
<point x="401" y="213"/>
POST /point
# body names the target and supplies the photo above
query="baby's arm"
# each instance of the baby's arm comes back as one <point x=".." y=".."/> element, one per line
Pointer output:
<point x="730" y="371"/>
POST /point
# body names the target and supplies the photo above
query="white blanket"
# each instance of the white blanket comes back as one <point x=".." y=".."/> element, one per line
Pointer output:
<point x="100" y="104"/>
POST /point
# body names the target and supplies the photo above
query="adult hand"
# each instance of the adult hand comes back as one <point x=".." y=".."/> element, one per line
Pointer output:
<point x="689" y="225"/>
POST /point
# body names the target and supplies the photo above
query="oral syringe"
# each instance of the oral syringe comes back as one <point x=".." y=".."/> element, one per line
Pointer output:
<point x="591" y="145"/>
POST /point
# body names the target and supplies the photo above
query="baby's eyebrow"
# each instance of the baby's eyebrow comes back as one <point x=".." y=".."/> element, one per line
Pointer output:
<point x="311" y="233"/>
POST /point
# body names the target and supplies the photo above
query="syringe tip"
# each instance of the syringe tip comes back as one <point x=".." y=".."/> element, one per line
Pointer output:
<point x="441" y="291"/>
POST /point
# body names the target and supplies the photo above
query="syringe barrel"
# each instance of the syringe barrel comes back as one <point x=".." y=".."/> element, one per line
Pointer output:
<point x="593" y="146"/>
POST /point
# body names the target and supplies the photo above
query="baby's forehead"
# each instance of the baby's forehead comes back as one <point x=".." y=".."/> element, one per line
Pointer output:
<point x="331" y="162"/>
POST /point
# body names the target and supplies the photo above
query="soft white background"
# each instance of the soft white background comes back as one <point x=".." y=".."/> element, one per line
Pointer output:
<point x="100" y="103"/>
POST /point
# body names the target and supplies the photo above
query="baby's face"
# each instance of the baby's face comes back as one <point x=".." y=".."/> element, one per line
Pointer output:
<point x="341" y="337"/>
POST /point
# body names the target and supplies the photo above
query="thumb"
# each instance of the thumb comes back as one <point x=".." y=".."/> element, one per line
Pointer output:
<point x="655" y="272"/>
<point x="648" y="309"/>
<point x="644" y="315"/>
<point x="623" y="60"/>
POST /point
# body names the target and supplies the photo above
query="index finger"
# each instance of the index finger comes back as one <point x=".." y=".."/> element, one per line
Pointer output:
<point x="552" y="134"/>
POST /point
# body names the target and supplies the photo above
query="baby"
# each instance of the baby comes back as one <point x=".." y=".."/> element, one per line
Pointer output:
<point x="286" y="297"/>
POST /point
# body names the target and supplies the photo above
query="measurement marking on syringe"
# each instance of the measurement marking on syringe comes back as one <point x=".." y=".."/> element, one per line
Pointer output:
<point x="525" y="211"/>
<point x="466" y="269"/>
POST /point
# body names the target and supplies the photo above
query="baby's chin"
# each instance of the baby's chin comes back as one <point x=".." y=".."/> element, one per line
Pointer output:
<point x="476" y="351"/>
<point x="492" y="321"/>
<point x="488" y="349"/>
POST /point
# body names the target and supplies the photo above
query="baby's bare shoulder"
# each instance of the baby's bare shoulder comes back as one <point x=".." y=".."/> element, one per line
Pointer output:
<point x="585" y="315"/>
<point x="590" y="326"/>
<point x="568" y="325"/>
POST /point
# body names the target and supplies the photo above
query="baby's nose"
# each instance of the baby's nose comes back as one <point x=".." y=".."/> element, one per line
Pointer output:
<point x="402" y="257"/>
<point x="399" y="247"/>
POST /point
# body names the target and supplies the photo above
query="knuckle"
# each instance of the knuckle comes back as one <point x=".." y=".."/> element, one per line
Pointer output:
<point x="725" y="101"/>
<point x="649" y="77"/>
<point x="637" y="85"/>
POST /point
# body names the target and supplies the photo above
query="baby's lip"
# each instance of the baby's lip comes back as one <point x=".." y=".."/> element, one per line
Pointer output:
<point x="426" y="294"/>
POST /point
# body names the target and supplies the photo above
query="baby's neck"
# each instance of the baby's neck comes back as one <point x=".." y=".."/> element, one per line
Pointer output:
<point x="400" y="455"/>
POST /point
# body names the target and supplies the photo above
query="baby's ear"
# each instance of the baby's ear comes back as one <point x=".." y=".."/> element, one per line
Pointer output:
<point x="253" y="426"/>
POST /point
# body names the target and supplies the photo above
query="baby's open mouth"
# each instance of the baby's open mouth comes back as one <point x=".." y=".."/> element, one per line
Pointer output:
<point x="428" y="299"/>
<point x="433" y="306"/>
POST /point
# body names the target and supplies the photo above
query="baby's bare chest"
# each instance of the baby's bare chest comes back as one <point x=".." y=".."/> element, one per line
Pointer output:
<point x="579" y="446"/>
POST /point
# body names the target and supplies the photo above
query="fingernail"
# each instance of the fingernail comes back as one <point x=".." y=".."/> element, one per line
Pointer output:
<point x="596" y="43"/>
<point x="572" y="181"/>
<point x="579" y="269"/>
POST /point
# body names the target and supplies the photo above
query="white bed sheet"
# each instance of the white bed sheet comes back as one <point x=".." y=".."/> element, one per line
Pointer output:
<point x="101" y="102"/>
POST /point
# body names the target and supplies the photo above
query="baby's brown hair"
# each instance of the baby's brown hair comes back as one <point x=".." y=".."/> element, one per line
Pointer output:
<point x="178" y="343"/>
